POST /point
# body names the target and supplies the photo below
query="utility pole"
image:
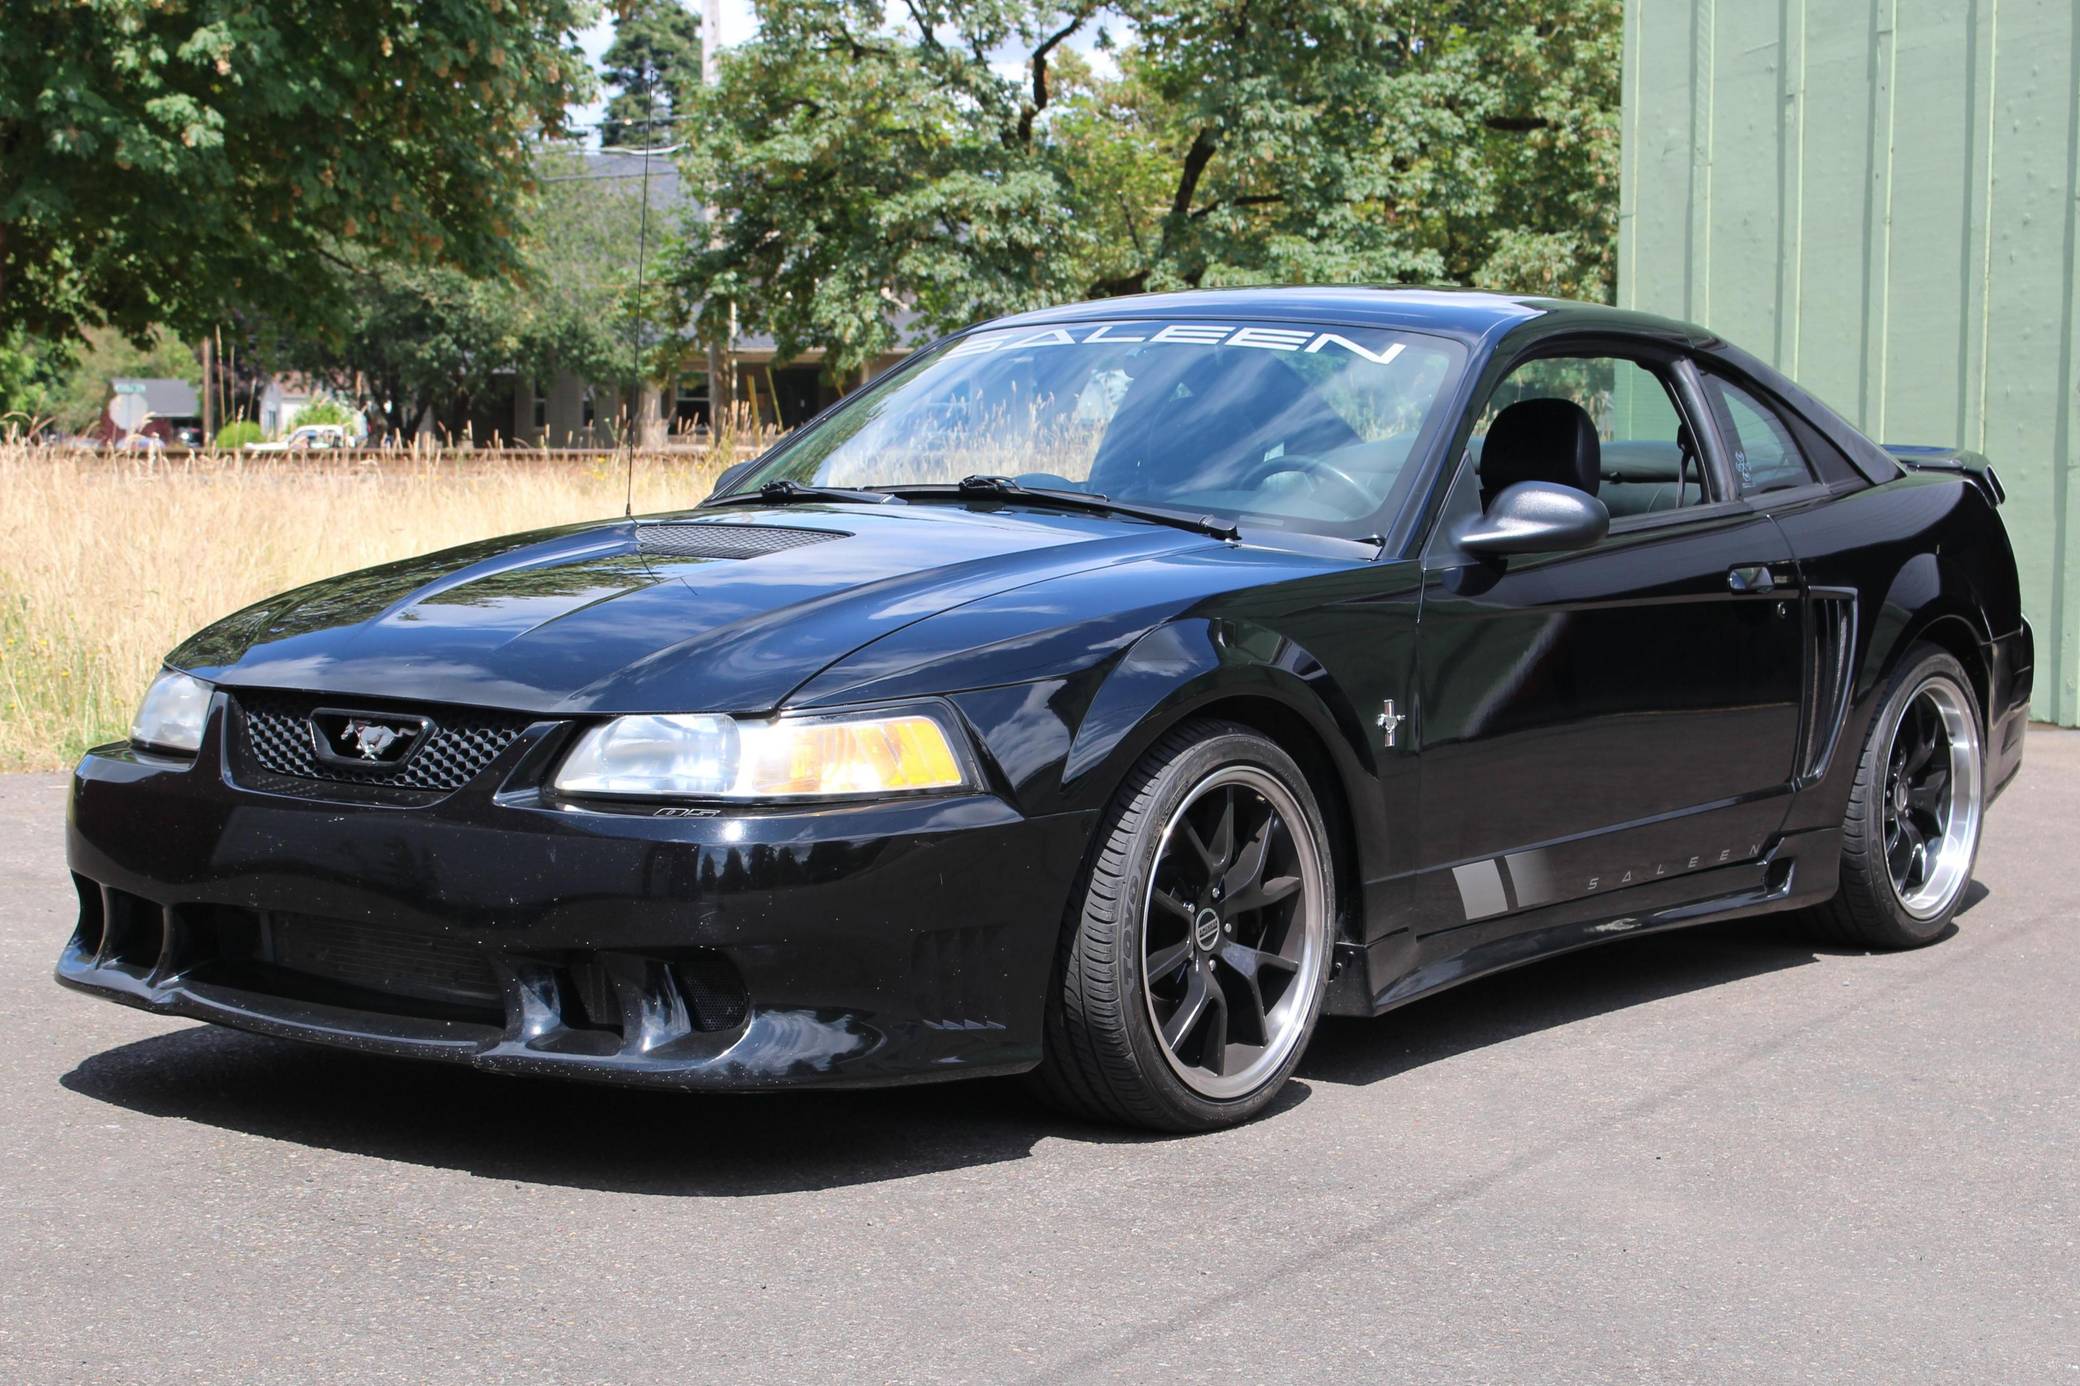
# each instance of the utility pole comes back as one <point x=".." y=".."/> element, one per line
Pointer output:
<point x="209" y="393"/>
<point x="722" y="367"/>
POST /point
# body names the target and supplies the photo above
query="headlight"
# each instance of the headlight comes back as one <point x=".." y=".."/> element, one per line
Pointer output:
<point x="714" y="757"/>
<point x="171" y="716"/>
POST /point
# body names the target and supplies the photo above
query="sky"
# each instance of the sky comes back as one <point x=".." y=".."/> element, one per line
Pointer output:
<point x="740" y="23"/>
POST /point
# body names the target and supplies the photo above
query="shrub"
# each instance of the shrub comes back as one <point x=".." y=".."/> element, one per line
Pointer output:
<point x="235" y="435"/>
<point x="326" y="410"/>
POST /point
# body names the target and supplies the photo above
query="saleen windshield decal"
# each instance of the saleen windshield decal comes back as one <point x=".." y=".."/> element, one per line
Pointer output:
<point x="1305" y="341"/>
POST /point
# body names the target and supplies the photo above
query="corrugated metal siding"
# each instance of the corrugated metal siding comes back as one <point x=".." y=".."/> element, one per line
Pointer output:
<point x="1881" y="196"/>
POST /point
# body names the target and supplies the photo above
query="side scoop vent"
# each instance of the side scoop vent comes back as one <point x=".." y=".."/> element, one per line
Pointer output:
<point x="1829" y="677"/>
<point x="710" y="539"/>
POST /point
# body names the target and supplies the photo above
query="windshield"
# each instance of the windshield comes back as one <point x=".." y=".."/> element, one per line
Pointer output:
<point x="1274" y="424"/>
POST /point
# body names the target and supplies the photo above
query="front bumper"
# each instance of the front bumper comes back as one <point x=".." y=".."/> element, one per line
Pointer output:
<point x="837" y="946"/>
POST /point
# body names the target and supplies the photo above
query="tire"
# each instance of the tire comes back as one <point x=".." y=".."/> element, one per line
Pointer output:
<point x="1171" y="928"/>
<point x="1878" y="906"/>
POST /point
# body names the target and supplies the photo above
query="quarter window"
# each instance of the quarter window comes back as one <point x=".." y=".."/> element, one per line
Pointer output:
<point x="1764" y="453"/>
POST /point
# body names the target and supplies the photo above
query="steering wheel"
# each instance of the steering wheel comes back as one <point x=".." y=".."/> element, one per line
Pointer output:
<point x="1317" y="471"/>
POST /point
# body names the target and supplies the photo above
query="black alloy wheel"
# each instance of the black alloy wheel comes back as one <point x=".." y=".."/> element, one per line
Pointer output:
<point x="1197" y="951"/>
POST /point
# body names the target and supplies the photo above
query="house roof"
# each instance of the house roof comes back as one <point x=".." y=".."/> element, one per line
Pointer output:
<point x="666" y="194"/>
<point x="167" y="399"/>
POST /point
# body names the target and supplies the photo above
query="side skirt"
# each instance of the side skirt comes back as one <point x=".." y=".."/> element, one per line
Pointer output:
<point x="1799" y="870"/>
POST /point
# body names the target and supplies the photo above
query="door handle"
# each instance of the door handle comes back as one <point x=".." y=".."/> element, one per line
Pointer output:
<point x="1753" y="578"/>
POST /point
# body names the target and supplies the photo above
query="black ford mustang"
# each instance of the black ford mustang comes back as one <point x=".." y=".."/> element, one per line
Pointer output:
<point x="1106" y="692"/>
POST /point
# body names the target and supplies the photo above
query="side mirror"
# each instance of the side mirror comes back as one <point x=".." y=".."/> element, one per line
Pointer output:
<point x="1535" y="517"/>
<point x="729" y="476"/>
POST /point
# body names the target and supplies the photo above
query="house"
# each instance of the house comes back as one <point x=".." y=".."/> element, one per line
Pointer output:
<point x="282" y="399"/>
<point x="570" y="412"/>
<point x="172" y="411"/>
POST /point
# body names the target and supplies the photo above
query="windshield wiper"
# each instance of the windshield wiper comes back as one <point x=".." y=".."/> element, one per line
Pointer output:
<point x="785" y="492"/>
<point x="1004" y="488"/>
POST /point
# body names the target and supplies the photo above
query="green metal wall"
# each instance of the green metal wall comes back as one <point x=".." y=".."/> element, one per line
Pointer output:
<point x="1880" y="197"/>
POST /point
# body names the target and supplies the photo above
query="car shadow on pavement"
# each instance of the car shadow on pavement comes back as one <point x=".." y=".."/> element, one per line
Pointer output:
<point x="1563" y="990"/>
<point x="577" y="1135"/>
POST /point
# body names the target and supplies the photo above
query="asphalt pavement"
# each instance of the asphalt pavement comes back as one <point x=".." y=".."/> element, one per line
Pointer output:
<point x="1725" y="1155"/>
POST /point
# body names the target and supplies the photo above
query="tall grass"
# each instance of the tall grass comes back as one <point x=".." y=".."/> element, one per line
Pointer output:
<point x="107" y="564"/>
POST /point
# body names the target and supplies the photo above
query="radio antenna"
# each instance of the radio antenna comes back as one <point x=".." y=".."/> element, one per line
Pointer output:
<point x="635" y="348"/>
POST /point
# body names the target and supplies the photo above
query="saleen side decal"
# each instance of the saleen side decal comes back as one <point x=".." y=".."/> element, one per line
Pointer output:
<point x="1525" y="880"/>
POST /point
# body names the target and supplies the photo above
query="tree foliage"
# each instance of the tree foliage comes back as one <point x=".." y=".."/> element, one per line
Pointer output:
<point x="417" y="344"/>
<point x="165" y="163"/>
<point x="32" y="372"/>
<point x="654" y="66"/>
<point x="863" y="162"/>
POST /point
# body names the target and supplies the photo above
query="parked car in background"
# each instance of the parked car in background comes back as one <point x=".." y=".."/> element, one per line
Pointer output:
<point x="1105" y="693"/>
<point x="308" y="438"/>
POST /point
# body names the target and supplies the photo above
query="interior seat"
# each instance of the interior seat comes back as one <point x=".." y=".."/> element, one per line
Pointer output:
<point x="1548" y="439"/>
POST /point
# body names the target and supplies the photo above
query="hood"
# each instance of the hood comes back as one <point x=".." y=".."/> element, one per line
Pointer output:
<point x="723" y="611"/>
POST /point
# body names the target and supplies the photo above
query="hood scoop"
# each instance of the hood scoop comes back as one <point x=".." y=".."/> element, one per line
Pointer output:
<point x="717" y="539"/>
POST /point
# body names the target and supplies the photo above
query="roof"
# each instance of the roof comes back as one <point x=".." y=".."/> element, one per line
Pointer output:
<point x="666" y="193"/>
<point x="167" y="399"/>
<point x="1467" y="313"/>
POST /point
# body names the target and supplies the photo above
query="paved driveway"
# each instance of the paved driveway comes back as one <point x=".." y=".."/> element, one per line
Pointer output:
<point x="1718" y="1156"/>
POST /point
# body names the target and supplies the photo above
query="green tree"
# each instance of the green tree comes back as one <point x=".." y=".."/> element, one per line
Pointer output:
<point x="326" y="410"/>
<point x="1537" y="211"/>
<point x="580" y="252"/>
<point x="32" y="372"/>
<point x="654" y="66"/>
<point x="173" y="161"/>
<point x="862" y="162"/>
<point x="419" y="345"/>
<point x="422" y="345"/>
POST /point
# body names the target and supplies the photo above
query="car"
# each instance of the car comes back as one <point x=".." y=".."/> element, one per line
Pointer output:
<point x="308" y="437"/>
<point x="1104" y="694"/>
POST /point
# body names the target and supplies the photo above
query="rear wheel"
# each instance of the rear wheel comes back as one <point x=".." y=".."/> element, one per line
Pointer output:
<point x="1911" y="832"/>
<point x="1191" y="973"/>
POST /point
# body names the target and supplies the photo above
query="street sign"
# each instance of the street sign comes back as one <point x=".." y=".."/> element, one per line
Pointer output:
<point x="128" y="411"/>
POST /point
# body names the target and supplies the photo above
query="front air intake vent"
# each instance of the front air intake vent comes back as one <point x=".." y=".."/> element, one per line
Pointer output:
<point x="712" y="539"/>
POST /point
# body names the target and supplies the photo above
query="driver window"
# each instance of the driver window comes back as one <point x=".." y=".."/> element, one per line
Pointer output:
<point x="1649" y="461"/>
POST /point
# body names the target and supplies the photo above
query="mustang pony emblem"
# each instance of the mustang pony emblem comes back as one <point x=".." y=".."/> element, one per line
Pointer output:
<point x="368" y="740"/>
<point x="371" y="739"/>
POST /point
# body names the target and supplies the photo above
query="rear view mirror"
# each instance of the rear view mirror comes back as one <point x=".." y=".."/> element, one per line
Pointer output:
<point x="729" y="476"/>
<point x="1535" y="517"/>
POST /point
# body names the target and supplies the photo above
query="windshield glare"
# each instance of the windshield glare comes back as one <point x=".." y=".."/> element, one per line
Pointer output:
<point x="1305" y="427"/>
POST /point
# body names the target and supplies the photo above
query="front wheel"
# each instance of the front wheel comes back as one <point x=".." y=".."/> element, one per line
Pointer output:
<point x="1193" y="965"/>
<point x="1911" y="832"/>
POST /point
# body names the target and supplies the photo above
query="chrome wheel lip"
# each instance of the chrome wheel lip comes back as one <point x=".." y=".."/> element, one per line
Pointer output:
<point x="1950" y="871"/>
<point x="1290" y="1015"/>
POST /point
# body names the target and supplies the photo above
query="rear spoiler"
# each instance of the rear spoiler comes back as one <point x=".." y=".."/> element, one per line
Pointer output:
<point x="1971" y="465"/>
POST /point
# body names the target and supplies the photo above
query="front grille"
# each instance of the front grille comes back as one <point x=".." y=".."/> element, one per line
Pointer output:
<point x="377" y="958"/>
<point x="459" y="745"/>
<point x="709" y="539"/>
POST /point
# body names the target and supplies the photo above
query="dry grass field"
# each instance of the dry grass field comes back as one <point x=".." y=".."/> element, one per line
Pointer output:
<point x="106" y="564"/>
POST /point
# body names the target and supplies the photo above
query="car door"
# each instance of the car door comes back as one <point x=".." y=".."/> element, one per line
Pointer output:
<point x="1603" y="718"/>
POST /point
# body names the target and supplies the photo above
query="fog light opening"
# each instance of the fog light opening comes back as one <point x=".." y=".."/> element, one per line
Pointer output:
<point x="93" y="922"/>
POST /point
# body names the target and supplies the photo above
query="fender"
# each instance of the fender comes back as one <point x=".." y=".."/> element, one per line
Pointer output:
<point x="1929" y="588"/>
<point x="1180" y="668"/>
